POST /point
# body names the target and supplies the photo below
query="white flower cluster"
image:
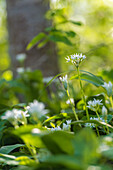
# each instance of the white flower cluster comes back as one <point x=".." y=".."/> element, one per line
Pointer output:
<point x="75" y="59"/>
<point x="36" y="109"/>
<point x="21" y="57"/>
<point x="92" y="125"/>
<point x="108" y="87"/>
<point x="104" y="111"/>
<point x="66" y="126"/>
<point x="63" y="79"/>
<point x="20" y="70"/>
<point x="93" y="105"/>
<point x="69" y="101"/>
<point x="14" y="116"/>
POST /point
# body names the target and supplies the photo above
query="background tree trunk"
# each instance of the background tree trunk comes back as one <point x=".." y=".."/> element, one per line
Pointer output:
<point x="25" y="20"/>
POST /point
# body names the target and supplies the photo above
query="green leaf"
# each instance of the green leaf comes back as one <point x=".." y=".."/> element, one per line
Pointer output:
<point x="59" y="116"/>
<point x="70" y="33"/>
<point x="4" y="161"/>
<point x="66" y="161"/>
<point x="59" y="38"/>
<point x="3" y="108"/>
<point x="85" y="145"/>
<point x="89" y="77"/>
<point x="25" y="133"/>
<point x="43" y="43"/>
<point x="7" y="156"/>
<point x="59" y="142"/>
<point x="24" y="160"/>
<point x="108" y="153"/>
<point x="35" y="40"/>
<point x="75" y="22"/>
<point x="9" y="148"/>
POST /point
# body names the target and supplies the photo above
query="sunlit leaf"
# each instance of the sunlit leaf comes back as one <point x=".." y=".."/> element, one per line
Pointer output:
<point x="9" y="148"/>
<point x="35" y="40"/>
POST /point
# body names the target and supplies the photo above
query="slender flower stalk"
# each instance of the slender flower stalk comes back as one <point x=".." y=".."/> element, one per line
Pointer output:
<point x="72" y="105"/>
<point x="111" y="101"/>
<point x="64" y="81"/>
<point x="83" y="95"/>
<point x="76" y="59"/>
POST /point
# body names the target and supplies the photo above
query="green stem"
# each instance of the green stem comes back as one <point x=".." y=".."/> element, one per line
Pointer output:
<point x="31" y="150"/>
<point x="111" y="101"/>
<point x="73" y="108"/>
<point x="83" y="95"/>
<point x="97" y="115"/>
<point x="97" y="131"/>
<point x="107" y="126"/>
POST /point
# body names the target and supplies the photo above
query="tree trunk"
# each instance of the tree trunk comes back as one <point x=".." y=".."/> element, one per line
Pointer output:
<point x="25" y="20"/>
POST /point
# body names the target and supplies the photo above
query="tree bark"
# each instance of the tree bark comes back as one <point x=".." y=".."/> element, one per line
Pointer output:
<point x="26" y="18"/>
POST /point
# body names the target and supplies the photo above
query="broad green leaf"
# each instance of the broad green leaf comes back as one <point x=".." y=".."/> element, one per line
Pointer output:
<point x="35" y="40"/>
<point x="9" y="148"/>
<point x="85" y="145"/>
<point x="7" y="156"/>
<point x="59" y="142"/>
<point x="89" y="77"/>
<point x="70" y="33"/>
<point x="25" y="133"/>
<point x="59" y="38"/>
<point x="66" y="161"/>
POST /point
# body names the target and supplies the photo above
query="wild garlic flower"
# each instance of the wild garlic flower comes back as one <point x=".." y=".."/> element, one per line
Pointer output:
<point x="20" y="70"/>
<point x="64" y="81"/>
<point x="70" y="100"/>
<point x="14" y="116"/>
<point x="92" y="125"/>
<point x="94" y="105"/>
<point x="37" y="109"/>
<point x="108" y="87"/>
<point x="21" y="57"/>
<point x="67" y="126"/>
<point x="104" y="111"/>
<point x="75" y="59"/>
<point x="56" y="128"/>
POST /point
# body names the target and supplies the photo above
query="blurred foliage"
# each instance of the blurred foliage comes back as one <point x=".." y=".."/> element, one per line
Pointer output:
<point x="4" y="56"/>
<point x="77" y="26"/>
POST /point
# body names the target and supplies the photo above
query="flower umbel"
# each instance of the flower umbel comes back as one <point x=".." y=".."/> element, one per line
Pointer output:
<point x="108" y="87"/>
<point x="93" y="105"/>
<point x="75" y="59"/>
<point x="37" y="109"/>
<point x="67" y="126"/>
<point x="92" y="125"/>
<point x="14" y="116"/>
